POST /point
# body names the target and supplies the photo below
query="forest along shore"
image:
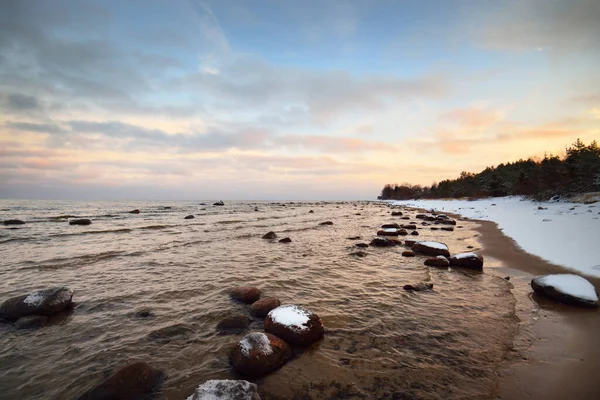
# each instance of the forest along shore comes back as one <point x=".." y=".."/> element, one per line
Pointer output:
<point x="409" y="307"/>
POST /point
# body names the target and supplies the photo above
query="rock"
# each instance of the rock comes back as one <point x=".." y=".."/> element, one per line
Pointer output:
<point x="433" y="228"/>
<point x="136" y="211"/>
<point x="133" y="382"/>
<point x="144" y="313"/>
<point x="409" y="242"/>
<point x="408" y="253"/>
<point x="256" y="209"/>
<point x="431" y="248"/>
<point x="311" y="212"/>
<point x="13" y="222"/>
<point x="358" y="214"/>
<point x="226" y="390"/>
<point x="507" y="278"/>
<point x="402" y="232"/>
<point x="326" y="223"/>
<point x="294" y="324"/>
<point x="447" y="228"/>
<point x="382" y="242"/>
<point x="396" y="213"/>
<point x="567" y="288"/>
<point x="469" y="247"/>
<point x="421" y="216"/>
<point x="390" y="226"/>
<point x="80" y="221"/>
<point x="31" y="322"/>
<point x="406" y="217"/>
<point x="245" y="294"/>
<point x="219" y="203"/>
<point x="447" y="222"/>
<point x="409" y="226"/>
<point x="387" y="232"/>
<point x="359" y="254"/>
<point x="171" y="332"/>
<point x="467" y="260"/>
<point x="414" y="233"/>
<point x="439" y="261"/>
<point x="419" y="287"/>
<point x="542" y="208"/>
<point x="285" y="240"/>
<point x="233" y="323"/>
<point x="270" y="235"/>
<point x="353" y="238"/>
<point x="362" y="245"/>
<point x="43" y="302"/>
<point x="259" y="353"/>
<point x="262" y="307"/>
<point x="189" y="217"/>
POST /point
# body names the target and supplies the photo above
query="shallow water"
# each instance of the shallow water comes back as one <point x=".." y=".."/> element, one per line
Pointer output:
<point x="380" y="341"/>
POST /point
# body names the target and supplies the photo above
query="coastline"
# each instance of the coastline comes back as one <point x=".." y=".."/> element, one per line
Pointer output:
<point x="556" y="353"/>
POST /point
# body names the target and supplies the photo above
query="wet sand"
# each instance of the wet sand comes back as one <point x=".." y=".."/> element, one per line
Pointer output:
<point x="556" y="353"/>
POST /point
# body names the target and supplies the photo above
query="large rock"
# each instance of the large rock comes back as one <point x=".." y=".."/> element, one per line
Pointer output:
<point x="245" y="294"/>
<point x="408" y="253"/>
<point x="439" y="261"/>
<point x="270" y="235"/>
<point x="390" y="226"/>
<point x="133" y="382"/>
<point x="233" y="324"/>
<point x="294" y="324"/>
<point x="566" y="288"/>
<point x="387" y="232"/>
<point x="326" y="223"/>
<point x="431" y="249"/>
<point x="13" y="222"/>
<point x="189" y="217"/>
<point x="31" y="322"/>
<point x="136" y="211"/>
<point x="262" y="307"/>
<point x="418" y="287"/>
<point x="226" y="390"/>
<point x="467" y="260"/>
<point x="259" y="353"/>
<point x="396" y="213"/>
<point x="219" y="203"/>
<point x="383" y="242"/>
<point x="285" y="240"/>
<point x="43" y="302"/>
<point x="80" y="221"/>
<point x="362" y="245"/>
<point x="409" y="226"/>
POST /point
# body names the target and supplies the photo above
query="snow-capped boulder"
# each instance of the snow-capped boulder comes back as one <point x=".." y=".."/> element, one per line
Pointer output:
<point x="259" y="353"/>
<point x="226" y="389"/>
<point x="567" y="288"/>
<point x="388" y="232"/>
<point x="467" y="260"/>
<point x="439" y="261"/>
<point x="245" y="294"/>
<point x="294" y="324"/>
<point x="43" y="302"/>
<point x="431" y="249"/>
<point x="262" y="307"/>
<point x="134" y="381"/>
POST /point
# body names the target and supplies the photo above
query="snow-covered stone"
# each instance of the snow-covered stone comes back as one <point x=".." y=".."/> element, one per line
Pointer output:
<point x="294" y="324"/>
<point x="226" y="389"/>
<point x="467" y="260"/>
<point x="567" y="288"/>
<point x="431" y="249"/>
<point x="259" y="353"/>
<point x="42" y="302"/>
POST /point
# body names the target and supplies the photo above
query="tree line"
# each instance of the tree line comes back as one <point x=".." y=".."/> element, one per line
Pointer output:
<point x="577" y="171"/>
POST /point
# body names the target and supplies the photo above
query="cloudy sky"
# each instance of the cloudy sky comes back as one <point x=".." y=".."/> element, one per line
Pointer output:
<point x="278" y="99"/>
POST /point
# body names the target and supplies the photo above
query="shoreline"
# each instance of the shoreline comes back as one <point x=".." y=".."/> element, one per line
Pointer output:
<point x="556" y="352"/>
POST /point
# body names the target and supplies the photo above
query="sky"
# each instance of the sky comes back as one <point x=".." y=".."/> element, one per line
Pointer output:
<point x="278" y="99"/>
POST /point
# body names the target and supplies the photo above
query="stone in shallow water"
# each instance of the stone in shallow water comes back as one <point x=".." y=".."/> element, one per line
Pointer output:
<point x="431" y="249"/>
<point x="382" y="242"/>
<point x="171" y="332"/>
<point x="439" y="261"/>
<point x="294" y="324"/>
<point x="189" y="217"/>
<point x="234" y="323"/>
<point x="262" y="307"/>
<point x="31" y="322"/>
<point x="408" y="253"/>
<point x="270" y="235"/>
<point x="80" y="221"/>
<point x="259" y="353"/>
<point x="226" y="390"/>
<point x="285" y="240"/>
<point x="13" y="222"/>
<point x="567" y="288"/>
<point x="245" y="294"/>
<point x="43" y="302"/>
<point x="133" y="382"/>
<point x="419" y="287"/>
<point x="467" y="260"/>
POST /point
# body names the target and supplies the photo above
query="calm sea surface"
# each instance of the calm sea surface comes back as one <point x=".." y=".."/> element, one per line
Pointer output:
<point x="380" y="341"/>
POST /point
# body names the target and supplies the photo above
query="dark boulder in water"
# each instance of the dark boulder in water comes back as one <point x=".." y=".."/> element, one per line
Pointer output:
<point x="13" y="222"/>
<point x="171" y="332"/>
<point x="143" y="313"/>
<point x="383" y="242"/>
<point x="414" y="233"/>
<point x="294" y="324"/>
<point x="431" y="249"/>
<point x="409" y="226"/>
<point x="31" y="322"/>
<point x="136" y="211"/>
<point x="245" y="294"/>
<point x="439" y="261"/>
<point x="80" y="221"/>
<point x="361" y="245"/>
<point x="226" y="390"/>
<point x="262" y="307"/>
<point x="270" y="235"/>
<point x="408" y="253"/>
<point x="311" y="212"/>
<point x="259" y="353"/>
<point x="189" y="217"/>
<point x="133" y="382"/>
<point x="43" y="302"/>
<point x="419" y="287"/>
<point x="219" y="203"/>
<point x="233" y="324"/>
<point x="285" y="240"/>
<point x="409" y="242"/>
<point x="326" y="223"/>
<point x="467" y="260"/>
<point x="359" y="253"/>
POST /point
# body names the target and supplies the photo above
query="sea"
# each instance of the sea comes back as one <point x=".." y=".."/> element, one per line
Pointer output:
<point x="381" y="341"/>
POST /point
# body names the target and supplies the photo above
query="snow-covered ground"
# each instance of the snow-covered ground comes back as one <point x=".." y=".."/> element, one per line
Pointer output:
<point x="566" y="234"/>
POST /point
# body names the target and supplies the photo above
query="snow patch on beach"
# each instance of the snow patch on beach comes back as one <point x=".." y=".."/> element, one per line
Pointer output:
<point x="290" y="315"/>
<point x="256" y="341"/>
<point x="570" y="284"/>
<point x="563" y="233"/>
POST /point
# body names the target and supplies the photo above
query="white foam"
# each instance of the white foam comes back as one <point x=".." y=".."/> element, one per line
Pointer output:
<point x="224" y="390"/>
<point x="256" y="341"/>
<point x="290" y="315"/>
<point x="461" y="256"/>
<point x="571" y="284"/>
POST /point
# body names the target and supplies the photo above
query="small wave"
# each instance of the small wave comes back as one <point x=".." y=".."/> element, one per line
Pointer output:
<point x="235" y="221"/>
<point x="15" y="240"/>
<point x="151" y="227"/>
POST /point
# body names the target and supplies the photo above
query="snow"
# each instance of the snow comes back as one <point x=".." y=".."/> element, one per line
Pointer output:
<point x="573" y="285"/>
<point x="443" y="257"/>
<point x="465" y="255"/>
<point x="290" y="315"/>
<point x="434" y="245"/>
<point x="34" y="299"/>
<point x="224" y="390"/>
<point x="390" y="230"/>
<point x="568" y="237"/>
<point x="257" y="341"/>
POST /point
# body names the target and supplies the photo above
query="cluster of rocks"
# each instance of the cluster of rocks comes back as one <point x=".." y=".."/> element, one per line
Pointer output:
<point x="32" y="310"/>
<point x="272" y="236"/>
